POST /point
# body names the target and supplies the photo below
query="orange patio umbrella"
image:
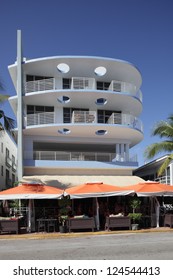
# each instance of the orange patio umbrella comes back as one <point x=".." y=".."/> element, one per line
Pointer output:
<point x="95" y="189"/>
<point x="151" y="188"/>
<point x="31" y="191"/>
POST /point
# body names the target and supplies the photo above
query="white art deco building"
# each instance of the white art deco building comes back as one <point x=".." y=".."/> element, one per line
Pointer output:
<point x="80" y="118"/>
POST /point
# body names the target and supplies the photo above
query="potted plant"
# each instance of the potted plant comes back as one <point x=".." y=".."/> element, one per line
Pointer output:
<point x="64" y="209"/>
<point x="135" y="216"/>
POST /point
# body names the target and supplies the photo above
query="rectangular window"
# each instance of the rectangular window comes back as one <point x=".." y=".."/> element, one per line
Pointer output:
<point x="13" y="179"/>
<point x="31" y="109"/>
<point x="2" y="147"/>
<point x="103" y="85"/>
<point x="30" y="78"/>
<point x="66" y="83"/>
<point x="2" y="170"/>
<point x="104" y="115"/>
<point x="67" y="113"/>
<point x="13" y="159"/>
<point x="7" y="179"/>
<point x="7" y="153"/>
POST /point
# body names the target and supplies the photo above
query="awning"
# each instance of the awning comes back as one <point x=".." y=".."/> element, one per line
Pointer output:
<point x="95" y="190"/>
<point x="31" y="191"/>
<point x="66" y="181"/>
<point x="151" y="188"/>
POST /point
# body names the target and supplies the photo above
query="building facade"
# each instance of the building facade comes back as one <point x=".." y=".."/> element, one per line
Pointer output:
<point x="8" y="160"/>
<point x="149" y="171"/>
<point x="81" y="117"/>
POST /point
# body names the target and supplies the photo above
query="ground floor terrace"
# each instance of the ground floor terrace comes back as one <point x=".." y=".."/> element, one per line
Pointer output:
<point x="82" y="215"/>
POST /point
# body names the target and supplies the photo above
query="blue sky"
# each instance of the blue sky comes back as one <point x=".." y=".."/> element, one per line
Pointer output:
<point x="139" y="31"/>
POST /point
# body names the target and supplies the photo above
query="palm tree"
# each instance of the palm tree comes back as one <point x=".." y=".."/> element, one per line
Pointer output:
<point x="9" y="123"/>
<point x="163" y="129"/>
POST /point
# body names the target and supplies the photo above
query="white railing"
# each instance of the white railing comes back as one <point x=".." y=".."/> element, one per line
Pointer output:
<point x="39" y="85"/>
<point x="83" y="83"/>
<point x="164" y="180"/>
<point x="14" y="166"/>
<point x="119" y="86"/>
<point x="40" y="118"/>
<point x="115" y="118"/>
<point x="84" y="117"/>
<point x="73" y="156"/>
<point x="8" y="161"/>
<point x="126" y="119"/>
<point x="79" y="156"/>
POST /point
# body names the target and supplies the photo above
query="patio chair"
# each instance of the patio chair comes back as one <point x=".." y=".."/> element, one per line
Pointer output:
<point x="41" y="225"/>
<point x="51" y="226"/>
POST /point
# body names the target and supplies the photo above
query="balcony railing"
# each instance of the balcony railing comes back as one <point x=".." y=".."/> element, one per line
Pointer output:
<point x="82" y="83"/>
<point x="119" y="86"/>
<point x="73" y="156"/>
<point x="40" y="118"/>
<point x="78" y="156"/>
<point x="8" y="161"/>
<point x="39" y="85"/>
<point x="84" y="117"/>
<point x="164" y="180"/>
<point x="14" y="166"/>
<point x="126" y="119"/>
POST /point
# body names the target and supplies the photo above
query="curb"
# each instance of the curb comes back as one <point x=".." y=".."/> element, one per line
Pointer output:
<point x="58" y="235"/>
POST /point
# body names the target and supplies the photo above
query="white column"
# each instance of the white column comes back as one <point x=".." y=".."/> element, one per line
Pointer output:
<point x="20" y="106"/>
<point x="117" y="152"/>
<point x="122" y="152"/>
<point x="127" y="151"/>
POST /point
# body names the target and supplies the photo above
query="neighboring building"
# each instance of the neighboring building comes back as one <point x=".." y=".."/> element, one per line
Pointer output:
<point x="8" y="160"/>
<point x="81" y="118"/>
<point x="149" y="171"/>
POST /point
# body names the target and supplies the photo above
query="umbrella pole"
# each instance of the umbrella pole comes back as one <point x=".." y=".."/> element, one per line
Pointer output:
<point x="97" y="214"/>
<point x="157" y="209"/>
<point x="29" y="215"/>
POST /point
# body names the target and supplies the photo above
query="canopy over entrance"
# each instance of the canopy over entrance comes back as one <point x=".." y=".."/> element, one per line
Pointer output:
<point x="68" y="181"/>
<point x="31" y="191"/>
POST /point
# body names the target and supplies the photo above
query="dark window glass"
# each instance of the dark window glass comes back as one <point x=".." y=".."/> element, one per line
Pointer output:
<point x="30" y="109"/>
<point x="39" y="109"/>
<point x="49" y="109"/>
<point x="103" y="85"/>
<point x="66" y="115"/>
<point x="66" y="83"/>
<point x="29" y="78"/>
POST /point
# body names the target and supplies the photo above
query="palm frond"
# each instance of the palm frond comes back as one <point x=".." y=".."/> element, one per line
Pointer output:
<point x="156" y="148"/>
<point x="9" y="124"/>
<point x="163" y="129"/>
<point x="3" y="97"/>
<point x="165" y="164"/>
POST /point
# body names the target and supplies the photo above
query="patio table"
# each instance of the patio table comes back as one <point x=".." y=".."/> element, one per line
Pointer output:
<point x="46" y="221"/>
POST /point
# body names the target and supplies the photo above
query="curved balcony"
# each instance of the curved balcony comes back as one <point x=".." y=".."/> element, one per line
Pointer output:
<point x="81" y="83"/>
<point x="85" y="117"/>
<point x="79" y="158"/>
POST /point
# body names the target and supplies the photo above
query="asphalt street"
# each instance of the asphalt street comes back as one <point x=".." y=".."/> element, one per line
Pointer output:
<point x="123" y="246"/>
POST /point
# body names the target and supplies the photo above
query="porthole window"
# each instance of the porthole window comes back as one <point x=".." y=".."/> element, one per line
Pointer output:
<point x="64" y="131"/>
<point x="63" y="99"/>
<point x="101" y="132"/>
<point x="101" y="101"/>
<point x="100" y="71"/>
<point x="63" y="68"/>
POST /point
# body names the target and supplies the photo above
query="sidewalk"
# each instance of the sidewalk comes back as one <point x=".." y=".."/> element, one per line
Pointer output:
<point x="55" y="235"/>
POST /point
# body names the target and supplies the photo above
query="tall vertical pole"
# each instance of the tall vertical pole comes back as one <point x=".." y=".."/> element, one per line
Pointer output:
<point x="19" y="106"/>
